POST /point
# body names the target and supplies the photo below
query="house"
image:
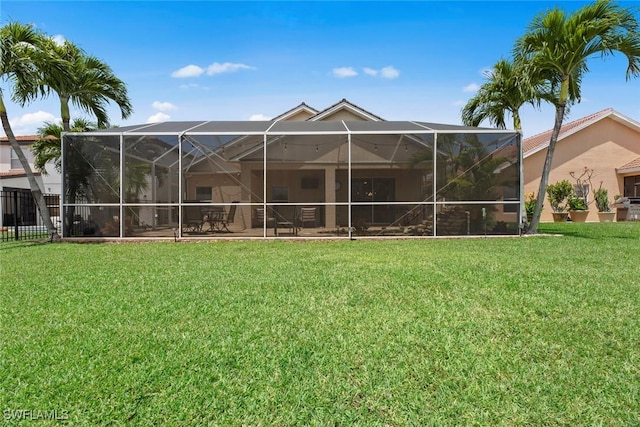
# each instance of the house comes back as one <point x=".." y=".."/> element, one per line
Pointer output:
<point x="12" y="174"/>
<point x="606" y="143"/>
<point x="336" y="172"/>
<point x="15" y="189"/>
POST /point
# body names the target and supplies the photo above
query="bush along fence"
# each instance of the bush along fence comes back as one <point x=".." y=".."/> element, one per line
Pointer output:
<point x="19" y="216"/>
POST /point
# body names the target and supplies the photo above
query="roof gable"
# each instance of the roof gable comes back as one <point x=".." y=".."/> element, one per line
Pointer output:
<point x="539" y="142"/>
<point x="299" y="112"/>
<point x="345" y="110"/>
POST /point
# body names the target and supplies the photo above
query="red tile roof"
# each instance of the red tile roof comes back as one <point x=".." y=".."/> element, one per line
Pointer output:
<point x="633" y="164"/>
<point x="540" y="141"/>
<point x="15" y="173"/>
<point x="22" y="139"/>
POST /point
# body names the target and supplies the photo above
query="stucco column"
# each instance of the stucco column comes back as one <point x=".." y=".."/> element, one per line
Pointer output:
<point x="245" y="195"/>
<point x="330" y="196"/>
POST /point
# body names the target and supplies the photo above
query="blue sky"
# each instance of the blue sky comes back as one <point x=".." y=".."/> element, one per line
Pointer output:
<point x="207" y="60"/>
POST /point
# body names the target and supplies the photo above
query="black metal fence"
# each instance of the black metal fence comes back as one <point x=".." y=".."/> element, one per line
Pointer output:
<point x="19" y="216"/>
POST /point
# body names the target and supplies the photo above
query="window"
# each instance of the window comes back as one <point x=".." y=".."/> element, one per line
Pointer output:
<point x="203" y="193"/>
<point x="582" y="192"/>
<point x="280" y="193"/>
<point x="310" y="183"/>
<point x="15" y="162"/>
<point x="632" y="186"/>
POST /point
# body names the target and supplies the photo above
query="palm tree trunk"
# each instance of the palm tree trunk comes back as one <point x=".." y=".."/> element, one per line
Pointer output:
<point x="544" y="179"/>
<point x="64" y="113"/>
<point x="36" y="191"/>
<point x="517" y="122"/>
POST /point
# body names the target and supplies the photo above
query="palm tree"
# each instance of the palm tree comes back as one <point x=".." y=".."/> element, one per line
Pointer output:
<point x="22" y="63"/>
<point x="556" y="48"/>
<point x="92" y="86"/>
<point x="48" y="147"/>
<point x="503" y="92"/>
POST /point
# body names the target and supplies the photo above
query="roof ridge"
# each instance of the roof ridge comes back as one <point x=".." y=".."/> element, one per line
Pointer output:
<point x="349" y="103"/>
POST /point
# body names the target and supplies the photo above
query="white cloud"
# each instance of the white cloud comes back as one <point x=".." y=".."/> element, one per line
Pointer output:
<point x="58" y="39"/>
<point x="370" y="71"/>
<point x="343" y="72"/>
<point x="459" y="103"/>
<point x="227" y="67"/>
<point x="28" y="124"/>
<point x="30" y="119"/>
<point x="163" y="106"/>
<point x="471" y="87"/>
<point x="158" y="117"/>
<point x="188" y="71"/>
<point x="389" y="72"/>
<point x="259" y="117"/>
<point x="191" y="86"/>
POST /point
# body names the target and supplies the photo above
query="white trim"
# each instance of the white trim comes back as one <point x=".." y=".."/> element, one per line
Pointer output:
<point x="621" y="171"/>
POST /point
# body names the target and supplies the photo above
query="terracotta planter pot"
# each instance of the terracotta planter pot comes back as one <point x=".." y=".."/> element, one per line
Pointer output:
<point x="578" y="216"/>
<point x="606" y="216"/>
<point x="560" y="216"/>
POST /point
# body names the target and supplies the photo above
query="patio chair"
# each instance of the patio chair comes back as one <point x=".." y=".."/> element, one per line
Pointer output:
<point x="307" y="216"/>
<point x="228" y="218"/>
<point x="192" y="219"/>
<point x="271" y="221"/>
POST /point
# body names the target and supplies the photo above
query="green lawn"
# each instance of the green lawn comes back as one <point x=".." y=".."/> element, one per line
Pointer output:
<point x="540" y="330"/>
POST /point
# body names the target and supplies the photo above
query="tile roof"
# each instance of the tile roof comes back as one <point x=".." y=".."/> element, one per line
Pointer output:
<point x="15" y="173"/>
<point x="633" y="164"/>
<point x="22" y="139"/>
<point x="540" y="141"/>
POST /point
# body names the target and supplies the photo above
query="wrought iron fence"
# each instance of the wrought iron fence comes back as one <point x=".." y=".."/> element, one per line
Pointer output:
<point x="19" y="216"/>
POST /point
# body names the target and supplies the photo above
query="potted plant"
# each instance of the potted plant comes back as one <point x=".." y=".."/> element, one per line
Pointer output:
<point x="601" y="197"/>
<point x="557" y="194"/>
<point x="577" y="208"/>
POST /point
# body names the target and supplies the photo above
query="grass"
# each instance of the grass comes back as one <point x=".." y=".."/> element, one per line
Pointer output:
<point x="530" y="331"/>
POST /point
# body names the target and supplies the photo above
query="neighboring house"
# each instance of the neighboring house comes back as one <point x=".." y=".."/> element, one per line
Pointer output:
<point x="315" y="173"/>
<point x="606" y="142"/>
<point x="12" y="175"/>
<point x="15" y="186"/>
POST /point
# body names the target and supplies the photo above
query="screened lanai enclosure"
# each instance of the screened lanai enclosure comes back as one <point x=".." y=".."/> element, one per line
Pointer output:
<point x="294" y="179"/>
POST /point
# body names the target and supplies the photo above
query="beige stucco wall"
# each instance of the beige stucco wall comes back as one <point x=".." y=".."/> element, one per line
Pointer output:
<point x="603" y="147"/>
<point x="342" y="115"/>
<point x="300" y="116"/>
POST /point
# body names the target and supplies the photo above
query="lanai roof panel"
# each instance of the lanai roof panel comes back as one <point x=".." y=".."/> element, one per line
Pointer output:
<point x="167" y="127"/>
<point x="232" y="127"/>
<point x="307" y="127"/>
<point x="387" y="126"/>
<point x="457" y="128"/>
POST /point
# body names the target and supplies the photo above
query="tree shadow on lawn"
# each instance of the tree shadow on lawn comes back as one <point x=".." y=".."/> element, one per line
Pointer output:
<point x="596" y="231"/>
<point x="21" y="244"/>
